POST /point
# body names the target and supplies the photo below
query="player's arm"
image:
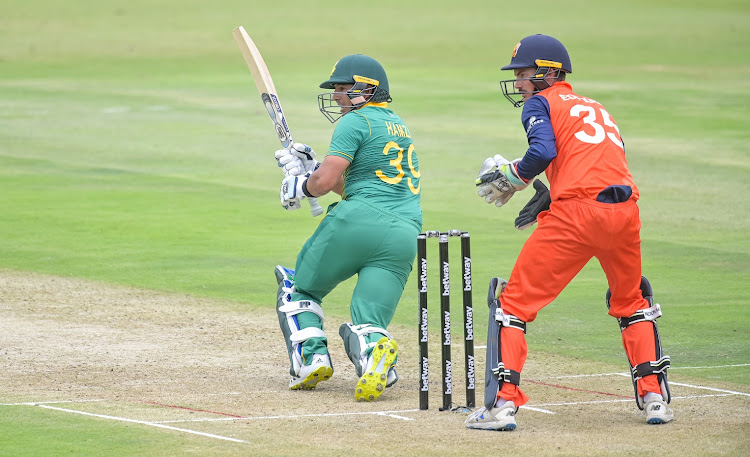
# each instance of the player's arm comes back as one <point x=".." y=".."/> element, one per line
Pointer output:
<point x="541" y="138"/>
<point x="500" y="178"/>
<point x="328" y="177"/>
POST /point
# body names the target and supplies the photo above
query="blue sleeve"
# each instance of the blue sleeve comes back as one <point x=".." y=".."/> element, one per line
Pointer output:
<point x="541" y="137"/>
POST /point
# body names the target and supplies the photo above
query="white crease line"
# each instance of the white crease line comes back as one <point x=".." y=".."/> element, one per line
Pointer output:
<point x="540" y="410"/>
<point x="697" y="387"/>
<point x="294" y="416"/>
<point x="37" y="403"/>
<point x="594" y="375"/>
<point x="710" y="388"/>
<point x="395" y="416"/>
<point x="134" y="421"/>
<point x="624" y="400"/>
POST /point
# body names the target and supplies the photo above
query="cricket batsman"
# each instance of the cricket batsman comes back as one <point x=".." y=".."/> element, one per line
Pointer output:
<point x="593" y="213"/>
<point x="371" y="232"/>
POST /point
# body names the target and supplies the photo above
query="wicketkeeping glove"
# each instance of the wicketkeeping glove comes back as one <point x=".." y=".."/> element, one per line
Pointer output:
<point x="538" y="203"/>
<point x="498" y="180"/>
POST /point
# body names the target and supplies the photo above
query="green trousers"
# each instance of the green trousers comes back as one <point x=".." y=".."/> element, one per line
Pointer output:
<point x="355" y="238"/>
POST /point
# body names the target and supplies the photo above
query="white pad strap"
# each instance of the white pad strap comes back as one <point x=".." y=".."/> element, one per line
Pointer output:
<point x="298" y="336"/>
<point x="365" y="329"/>
<point x="642" y="315"/>
<point x="293" y="308"/>
<point x="305" y="334"/>
<point x="509" y="320"/>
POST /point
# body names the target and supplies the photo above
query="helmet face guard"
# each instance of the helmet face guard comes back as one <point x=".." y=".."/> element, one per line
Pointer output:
<point x="539" y="80"/>
<point x="363" y="91"/>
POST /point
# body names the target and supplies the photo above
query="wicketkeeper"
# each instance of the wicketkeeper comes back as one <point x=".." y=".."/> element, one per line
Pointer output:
<point x="371" y="232"/>
<point x="593" y="213"/>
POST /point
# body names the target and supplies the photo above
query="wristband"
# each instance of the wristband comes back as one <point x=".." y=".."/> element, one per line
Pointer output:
<point x="305" y="191"/>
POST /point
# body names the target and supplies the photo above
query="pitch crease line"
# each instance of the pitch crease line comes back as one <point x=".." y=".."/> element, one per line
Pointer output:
<point x="716" y="366"/>
<point x="52" y="402"/>
<point x="733" y="392"/>
<point x="295" y="416"/>
<point x="594" y="402"/>
<point x="135" y="421"/>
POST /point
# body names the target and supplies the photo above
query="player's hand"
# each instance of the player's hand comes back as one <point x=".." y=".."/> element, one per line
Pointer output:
<point x="538" y="203"/>
<point x="291" y="193"/>
<point x="297" y="160"/>
<point x="306" y="155"/>
<point x="487" y="190"/>
<point x="290" y="164"/>
<point x="498" y="180"/>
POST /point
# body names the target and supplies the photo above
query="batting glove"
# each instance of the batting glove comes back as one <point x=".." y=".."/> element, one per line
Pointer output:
<point x="291" y="193"/>
<point x="306" y="154"/>
<point x="297" y="160"/>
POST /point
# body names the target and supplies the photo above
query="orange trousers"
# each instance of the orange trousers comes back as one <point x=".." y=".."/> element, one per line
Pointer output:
<point x="568" y="235"/>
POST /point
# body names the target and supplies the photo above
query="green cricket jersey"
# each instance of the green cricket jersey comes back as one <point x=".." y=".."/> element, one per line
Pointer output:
<point x="384" y="168"/>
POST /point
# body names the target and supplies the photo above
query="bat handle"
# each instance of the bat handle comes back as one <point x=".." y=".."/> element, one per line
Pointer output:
<point x="315" y="208"/>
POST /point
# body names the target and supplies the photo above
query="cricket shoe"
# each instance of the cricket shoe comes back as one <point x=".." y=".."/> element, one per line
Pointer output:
<point x="392" y="377"/>
<point x="502" y="418"/>
<point x="320" y="369"/>
<point x="657" y="412"/>
<point x="375" y="379"/>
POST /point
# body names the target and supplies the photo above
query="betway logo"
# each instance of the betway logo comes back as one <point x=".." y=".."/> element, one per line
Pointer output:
<point x="467" y="274"/>
<point x="469" y="325"/>
<point x="425" y="375"/>
<point x="446" y="280"/>
<point x="448" y="378"/>
<point x="447" y="328"/>
<point x="423" y="277"/>
<point x="470" y="374"/>
<point x="423" y="326"/>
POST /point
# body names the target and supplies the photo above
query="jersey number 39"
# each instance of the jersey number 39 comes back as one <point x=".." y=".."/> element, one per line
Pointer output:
<point x="396" y="162"/>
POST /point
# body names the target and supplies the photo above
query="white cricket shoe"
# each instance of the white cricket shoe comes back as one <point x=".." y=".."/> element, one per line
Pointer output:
<point x="502" y="418"/>
<point x="320" y="369"/>
<point x="376" y="378"/>
<point x="657" y="412"/>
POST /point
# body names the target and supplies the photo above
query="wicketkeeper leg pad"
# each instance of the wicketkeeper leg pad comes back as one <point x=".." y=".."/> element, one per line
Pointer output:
<point x="495" y="372"/>
<point x="661" y="362"/>
<point x="287" y="312"/>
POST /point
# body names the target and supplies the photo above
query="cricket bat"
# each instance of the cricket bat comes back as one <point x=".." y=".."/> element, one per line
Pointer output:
<point x="265" y="86"/>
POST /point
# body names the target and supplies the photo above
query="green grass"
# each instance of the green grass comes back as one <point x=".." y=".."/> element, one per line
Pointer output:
<point x="133" y="148"/>
<point x="30" y="431"/>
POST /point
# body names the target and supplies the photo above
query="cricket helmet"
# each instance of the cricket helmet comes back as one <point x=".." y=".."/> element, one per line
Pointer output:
<point x="542" y="52"/>
<point x="370" y="84"/>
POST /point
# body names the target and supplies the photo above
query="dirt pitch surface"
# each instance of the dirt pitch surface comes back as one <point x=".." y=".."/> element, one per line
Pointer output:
<point x="217" y="373"/>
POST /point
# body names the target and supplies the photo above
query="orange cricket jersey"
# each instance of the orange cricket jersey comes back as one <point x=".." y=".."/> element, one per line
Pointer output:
<point x="590" y="153"/>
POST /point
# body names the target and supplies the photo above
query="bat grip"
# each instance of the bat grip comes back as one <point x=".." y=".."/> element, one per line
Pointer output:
<point x="315" y="208"/>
